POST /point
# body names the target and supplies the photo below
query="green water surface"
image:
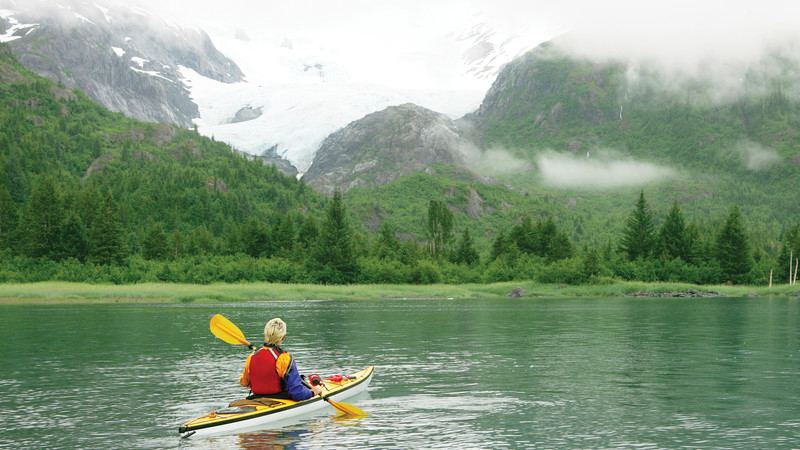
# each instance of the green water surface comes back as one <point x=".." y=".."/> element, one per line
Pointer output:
<point x="503" y="373"/>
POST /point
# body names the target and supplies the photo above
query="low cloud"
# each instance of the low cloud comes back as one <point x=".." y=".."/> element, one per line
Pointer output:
<point x="755" y="156"/>
<point x="498" y="162"/>
<point x="605" y="170"/>
<point x="724" y="48"/>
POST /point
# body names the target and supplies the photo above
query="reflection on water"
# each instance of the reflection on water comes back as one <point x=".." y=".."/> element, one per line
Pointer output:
<point x="717" y="373"/>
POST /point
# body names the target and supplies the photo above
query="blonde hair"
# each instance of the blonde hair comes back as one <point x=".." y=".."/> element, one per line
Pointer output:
<point x="274" y="331"/>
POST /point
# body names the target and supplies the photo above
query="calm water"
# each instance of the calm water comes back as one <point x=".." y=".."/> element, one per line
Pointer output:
<point x="608" y="373"/>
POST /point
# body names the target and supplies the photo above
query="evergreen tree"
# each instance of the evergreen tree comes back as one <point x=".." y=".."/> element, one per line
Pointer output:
<point x="106" y="237"/>
<point x="673" y="239"/>
<point x="465" y="252"/>
<point x="202" y="242"/>
<point x="8" y="218"/>
<point x="385" y="244"/>
<point x="307" y="235"/>
<point x="732" y="249"/>
<point x="499" y="246"/>
<point x="154" y="243"/>
<point x="591" y="262"/>
<point x="561" y="247"/>
<point x="638" y="237"/>
<point x="438" y="228"/>
<point x="524" y="236"/>
<point x="43" y="218"/>
<point x="255" y="238"/>
<point x="283" y="236"/>
<point x="544" y="235"/>
<point x="333" y="260"/>
<point x="550" y="242"/>
<point x="74" y="242"/>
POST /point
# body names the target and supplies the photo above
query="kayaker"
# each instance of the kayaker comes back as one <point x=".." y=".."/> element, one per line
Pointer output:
<point x="270" y="370"/>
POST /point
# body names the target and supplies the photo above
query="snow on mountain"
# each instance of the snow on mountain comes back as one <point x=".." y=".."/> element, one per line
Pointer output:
<point x="120" y="56"/>
<point x="307" y="89"/>
<point x="309" y="70"/>
<point x="296" y="117"/>
<point x="15" y="29"/>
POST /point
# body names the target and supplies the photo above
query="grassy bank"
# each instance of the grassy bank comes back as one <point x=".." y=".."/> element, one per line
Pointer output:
<point x="166" y="292"/>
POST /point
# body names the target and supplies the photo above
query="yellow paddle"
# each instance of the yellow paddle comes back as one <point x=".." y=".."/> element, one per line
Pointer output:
<point x="344" y="408"/>
<point x="230" y="333"/>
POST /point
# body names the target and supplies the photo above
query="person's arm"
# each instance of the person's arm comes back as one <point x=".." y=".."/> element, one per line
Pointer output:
<point x="291" y="376"/>
<point x="244" y="380"/>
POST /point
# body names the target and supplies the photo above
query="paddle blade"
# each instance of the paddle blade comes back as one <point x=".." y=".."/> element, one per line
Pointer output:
<point x="227" y="331"/>
<point x="346" y="408"/>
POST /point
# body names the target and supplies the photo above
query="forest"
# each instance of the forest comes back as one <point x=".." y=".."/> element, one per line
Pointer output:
<point x="89" y="195"/>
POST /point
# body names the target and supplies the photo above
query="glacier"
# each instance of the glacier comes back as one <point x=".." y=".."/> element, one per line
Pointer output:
<point x="307" y="89"/>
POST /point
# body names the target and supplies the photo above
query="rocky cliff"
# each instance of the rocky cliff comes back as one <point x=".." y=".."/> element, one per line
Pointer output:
<point x="546" y="91"/>
<point x="121" y="57"/>
<point x="383" y="146"/>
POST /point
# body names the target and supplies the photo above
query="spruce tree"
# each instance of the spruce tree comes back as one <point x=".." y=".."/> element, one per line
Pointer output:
<point x="74" y="241"/>
<point x="283" y="237"/>
<point x="561" y="247"/>
<point x="202" y="242"/>
<point x="544" y="236"/>
<point x="638" y="237"/>
<point x="255" y="238"/>
<point x="465" y="252"/>
<point x="307" y="235"/>
<point x="549" y="242"/>
<point x="499" y="246"/>
<point x="154" y="243"/>
<point x="106" y="237"/>
<point x="385" y="244"/>
<point x="333" y="260"/>
<point x="43" y="219"/>
<point x="8" y="218"/>
<point x="524" y="236"/>
<point x="732" y="250"/>
<point x="673" y="238"/>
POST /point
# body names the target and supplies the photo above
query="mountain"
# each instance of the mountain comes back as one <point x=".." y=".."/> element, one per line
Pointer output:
<point x="383" y="146"/>
<point x="195" y="188"/>
<point x="91" y="195"/>
<point x="295" y="93"/>
<point x="585" y="136"/>
<point x="122" y="57"/>
<point x="304" y="91"/>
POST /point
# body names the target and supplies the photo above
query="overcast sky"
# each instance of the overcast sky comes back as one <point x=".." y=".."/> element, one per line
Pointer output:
<point x="678" y="33"/>
<point x="411" y="38"/>
<point x="365" y="23"/>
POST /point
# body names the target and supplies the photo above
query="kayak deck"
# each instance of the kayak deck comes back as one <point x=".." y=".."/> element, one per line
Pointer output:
<point x="265" y="410"/>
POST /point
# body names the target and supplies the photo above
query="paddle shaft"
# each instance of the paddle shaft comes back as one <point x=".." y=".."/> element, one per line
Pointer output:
<point x="344" y="408"/>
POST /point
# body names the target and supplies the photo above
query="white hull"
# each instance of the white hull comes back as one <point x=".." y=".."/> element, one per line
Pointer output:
<point x="316" y="405"/>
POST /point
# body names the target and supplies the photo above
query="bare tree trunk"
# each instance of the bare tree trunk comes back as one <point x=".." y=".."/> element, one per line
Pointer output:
<point x="770" y="279"/>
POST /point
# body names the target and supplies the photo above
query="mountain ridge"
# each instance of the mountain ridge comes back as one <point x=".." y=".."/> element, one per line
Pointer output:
<point x="119" y="56"/>
<point x="383" y="146"/>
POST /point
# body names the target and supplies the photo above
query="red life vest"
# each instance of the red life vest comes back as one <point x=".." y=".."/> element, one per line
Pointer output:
<point x="264" y="377"/>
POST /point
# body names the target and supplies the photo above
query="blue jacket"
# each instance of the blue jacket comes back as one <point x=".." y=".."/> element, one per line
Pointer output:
<point x="294" y="384"/>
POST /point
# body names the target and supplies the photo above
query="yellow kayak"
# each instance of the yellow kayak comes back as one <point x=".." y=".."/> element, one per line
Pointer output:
<point x="263" y="411"/>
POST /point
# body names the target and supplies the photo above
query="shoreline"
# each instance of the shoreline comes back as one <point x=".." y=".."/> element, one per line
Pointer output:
<point x="63" y="292"/>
